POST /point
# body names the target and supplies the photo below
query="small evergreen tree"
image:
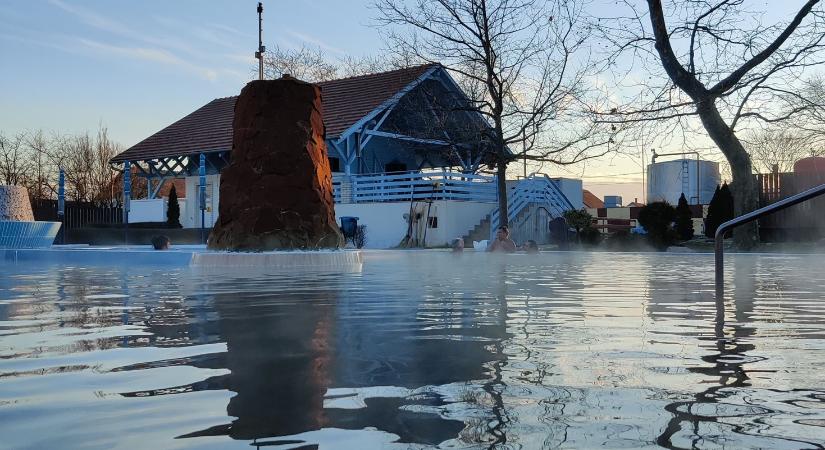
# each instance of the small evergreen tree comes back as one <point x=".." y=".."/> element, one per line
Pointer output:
<point x="657" y="218"/>
<point x="173" y="209"/>
<point x="726" y="211"/>
<point x="720" y="210"/>
<point x="712" y="220"/>
<point x="684" y="219"/>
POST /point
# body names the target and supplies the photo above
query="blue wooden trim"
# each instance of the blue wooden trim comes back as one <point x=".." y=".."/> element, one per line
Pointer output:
<point x="402" y="137"/>
<point x="376" y="126"/>
<point x="389" y="103"/>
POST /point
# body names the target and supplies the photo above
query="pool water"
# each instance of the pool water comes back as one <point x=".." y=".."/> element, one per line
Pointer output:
<point x="418" y="350"/>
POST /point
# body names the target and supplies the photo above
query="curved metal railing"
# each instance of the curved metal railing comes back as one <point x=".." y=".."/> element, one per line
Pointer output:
<point x="749" y="217"/>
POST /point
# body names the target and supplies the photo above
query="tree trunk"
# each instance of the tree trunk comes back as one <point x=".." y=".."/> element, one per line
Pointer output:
<point x="501" y="185"/>
<point x="743" y="186"/>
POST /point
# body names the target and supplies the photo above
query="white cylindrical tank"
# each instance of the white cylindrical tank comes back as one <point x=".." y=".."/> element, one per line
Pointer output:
<point x="667" y="180"/>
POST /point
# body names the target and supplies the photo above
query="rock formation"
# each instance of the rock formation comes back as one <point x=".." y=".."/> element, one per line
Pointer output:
<point x="276" y="192"/>
<point x="14" y="204"/>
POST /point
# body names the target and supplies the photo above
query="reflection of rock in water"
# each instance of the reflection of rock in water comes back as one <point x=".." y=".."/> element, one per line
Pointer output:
<point x="291" y="338"/>
<point x="279" y="358"/>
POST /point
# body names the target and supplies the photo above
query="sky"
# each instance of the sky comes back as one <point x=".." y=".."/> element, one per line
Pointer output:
<point x="138" y="66"/>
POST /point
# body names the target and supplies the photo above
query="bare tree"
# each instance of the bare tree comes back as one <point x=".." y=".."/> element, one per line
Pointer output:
<point x="305" y="63"/>
<point x="515" y="59"/>
<point x="314" y="65"/>
<point x="718" y="62"/>
<point x="14" y="162"/>
<point x="102" y="176"/>
<point x="85" y="160"/>
<point x="41" y="181"/>
<point x="779" y="147"/>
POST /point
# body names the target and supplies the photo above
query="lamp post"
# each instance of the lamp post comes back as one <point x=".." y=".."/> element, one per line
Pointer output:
<point x="127" y="197"/>
<point x="261" y="49"/>
<point x="61" y="203"/>
<point x="202" y="194"/>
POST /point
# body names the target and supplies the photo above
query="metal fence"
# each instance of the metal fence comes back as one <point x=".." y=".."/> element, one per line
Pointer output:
<point x="78" y="214"/>
<point x="797" y="222"/>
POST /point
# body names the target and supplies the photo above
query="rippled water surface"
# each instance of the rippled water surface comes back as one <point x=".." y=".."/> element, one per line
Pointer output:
<point x="418" y="350"/>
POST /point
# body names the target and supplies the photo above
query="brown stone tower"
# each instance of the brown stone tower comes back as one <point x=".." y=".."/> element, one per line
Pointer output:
<point x="276" y="192"/>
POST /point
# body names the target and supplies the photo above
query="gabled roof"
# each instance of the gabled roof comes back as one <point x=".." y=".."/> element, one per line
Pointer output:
<point x="590" y="200"/>
<point x="209" y="128"/>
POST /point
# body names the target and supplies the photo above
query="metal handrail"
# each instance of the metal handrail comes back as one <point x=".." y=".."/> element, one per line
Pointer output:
<point x="749" y="217"/>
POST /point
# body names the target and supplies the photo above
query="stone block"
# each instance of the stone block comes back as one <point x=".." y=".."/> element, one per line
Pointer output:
<point x="15" y="204"/>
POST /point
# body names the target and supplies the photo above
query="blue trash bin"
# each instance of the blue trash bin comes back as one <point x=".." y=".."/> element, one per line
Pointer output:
<point x="348" y="226"/>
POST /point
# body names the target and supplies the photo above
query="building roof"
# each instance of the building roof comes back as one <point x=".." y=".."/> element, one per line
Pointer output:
<point x="590" y="200"/>
<point x="209" y="128"/>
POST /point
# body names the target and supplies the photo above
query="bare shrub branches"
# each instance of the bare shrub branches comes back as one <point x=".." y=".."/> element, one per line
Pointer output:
<point x="33" y="159"/>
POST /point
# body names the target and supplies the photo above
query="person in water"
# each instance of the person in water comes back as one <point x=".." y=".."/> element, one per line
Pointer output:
<point x="161" y="242"/>
<point x="531" y="246"/>
<point x="458" y="245"/>
<point x="502" y="242"/>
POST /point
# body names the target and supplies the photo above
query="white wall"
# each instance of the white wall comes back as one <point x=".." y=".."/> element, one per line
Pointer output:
<point x="386" y="226"/>
<point x="190" y="210"/>
<point x="573" y="190"/>
<point x="153" y="210"/>
<point x="461" y="217"/>
<point x="385" y="221"/>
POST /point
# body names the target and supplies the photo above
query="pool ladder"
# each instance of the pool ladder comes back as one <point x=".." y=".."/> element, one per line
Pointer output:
<point x="750" y="217"/>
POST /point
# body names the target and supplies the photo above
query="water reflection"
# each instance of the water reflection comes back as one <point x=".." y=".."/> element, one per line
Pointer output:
<point x="299" y="356"/>
<point x="419" y="349"/>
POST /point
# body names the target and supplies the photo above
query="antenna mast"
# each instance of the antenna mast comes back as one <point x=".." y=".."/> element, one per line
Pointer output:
<point x="261" y="49"/>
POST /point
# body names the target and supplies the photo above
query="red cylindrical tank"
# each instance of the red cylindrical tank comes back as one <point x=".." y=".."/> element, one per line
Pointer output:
<point x="809" y="172"/>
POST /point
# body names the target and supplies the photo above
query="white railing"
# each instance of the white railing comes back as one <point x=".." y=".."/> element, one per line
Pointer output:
<point x="336" y="189"/>
<point x="406" y="186"/>
<point x="538" y="190"/>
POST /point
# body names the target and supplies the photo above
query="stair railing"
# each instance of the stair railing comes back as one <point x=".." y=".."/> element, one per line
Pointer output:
<point x="750" y="217"/>
<point x="535" y="189"/>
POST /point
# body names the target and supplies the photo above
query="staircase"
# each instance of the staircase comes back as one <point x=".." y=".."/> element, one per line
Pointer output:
<point x="479" y="233"/>
<point x="529" y="195"/>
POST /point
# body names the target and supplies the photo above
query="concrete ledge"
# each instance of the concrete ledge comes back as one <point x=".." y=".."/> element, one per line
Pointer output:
<point x="183" y="256"/>
<point x="319" y="259"/>
<point x="96" y="256"/>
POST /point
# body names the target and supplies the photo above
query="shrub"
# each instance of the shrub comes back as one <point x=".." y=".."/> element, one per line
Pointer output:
<point x="657" y="218"/>
<point x="359" y="238"/>
<point x="684" y="219"/>
<point x="173" y="209"/>
<point x="590" y="236"/>
<point x="559" y="232"/>
<point x="581" y="221"/>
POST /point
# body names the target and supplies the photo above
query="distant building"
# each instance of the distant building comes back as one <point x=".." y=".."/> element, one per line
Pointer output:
<point x="591" y="201"/>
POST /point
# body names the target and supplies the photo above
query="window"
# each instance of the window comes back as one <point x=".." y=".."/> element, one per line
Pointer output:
<point x="395" y="166"/>
<point x="432" y="222"/>
<point x="334" y="164"/>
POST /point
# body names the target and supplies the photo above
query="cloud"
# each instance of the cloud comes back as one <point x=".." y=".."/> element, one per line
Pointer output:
<point x="231" y="30"/>
<point x="147" y="46"/>
<point x="318" y="42"/>
<point x="92" y="18"/>
<point x="150" y="54"/>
